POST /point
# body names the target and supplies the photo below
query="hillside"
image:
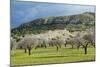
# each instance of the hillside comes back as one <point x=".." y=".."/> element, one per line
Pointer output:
<point x="79" y="21"/>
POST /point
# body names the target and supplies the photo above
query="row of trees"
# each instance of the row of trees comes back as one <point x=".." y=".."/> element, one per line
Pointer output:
<point x="58" y="39"/>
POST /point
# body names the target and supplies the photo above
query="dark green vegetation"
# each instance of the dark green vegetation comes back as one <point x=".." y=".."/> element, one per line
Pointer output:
<point x="50" y="55"/>
<point x="72" y="23"/>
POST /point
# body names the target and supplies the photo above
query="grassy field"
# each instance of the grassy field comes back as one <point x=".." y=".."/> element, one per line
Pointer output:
<point x="50" y="55"/>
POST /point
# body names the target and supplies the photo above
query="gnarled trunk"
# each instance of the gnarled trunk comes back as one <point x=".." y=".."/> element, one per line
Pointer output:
<point x="85" y="48"/>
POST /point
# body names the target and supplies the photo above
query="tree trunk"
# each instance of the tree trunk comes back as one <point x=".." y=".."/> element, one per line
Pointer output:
<point x="25" y="50"/>
<point x="72" y="46"/>
<point x="85" y="49"/>
<point x="78" y="47"/>
<point x="57" y="48"/>
<point x="29" y="50"/>
<point x="65" y="44"/>
<point x="45" y="46"/>
<point x="59" y="45"/>
<point x="93" y="45"/>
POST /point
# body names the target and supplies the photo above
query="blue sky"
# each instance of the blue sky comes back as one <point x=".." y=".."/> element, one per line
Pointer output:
<point x="22" y="12"/>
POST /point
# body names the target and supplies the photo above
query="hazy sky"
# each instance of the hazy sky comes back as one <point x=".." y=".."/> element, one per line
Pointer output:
<point x="22" y="12"/>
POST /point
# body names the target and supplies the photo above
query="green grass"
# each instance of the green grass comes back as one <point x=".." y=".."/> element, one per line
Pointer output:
<point x="50" y="55"/>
